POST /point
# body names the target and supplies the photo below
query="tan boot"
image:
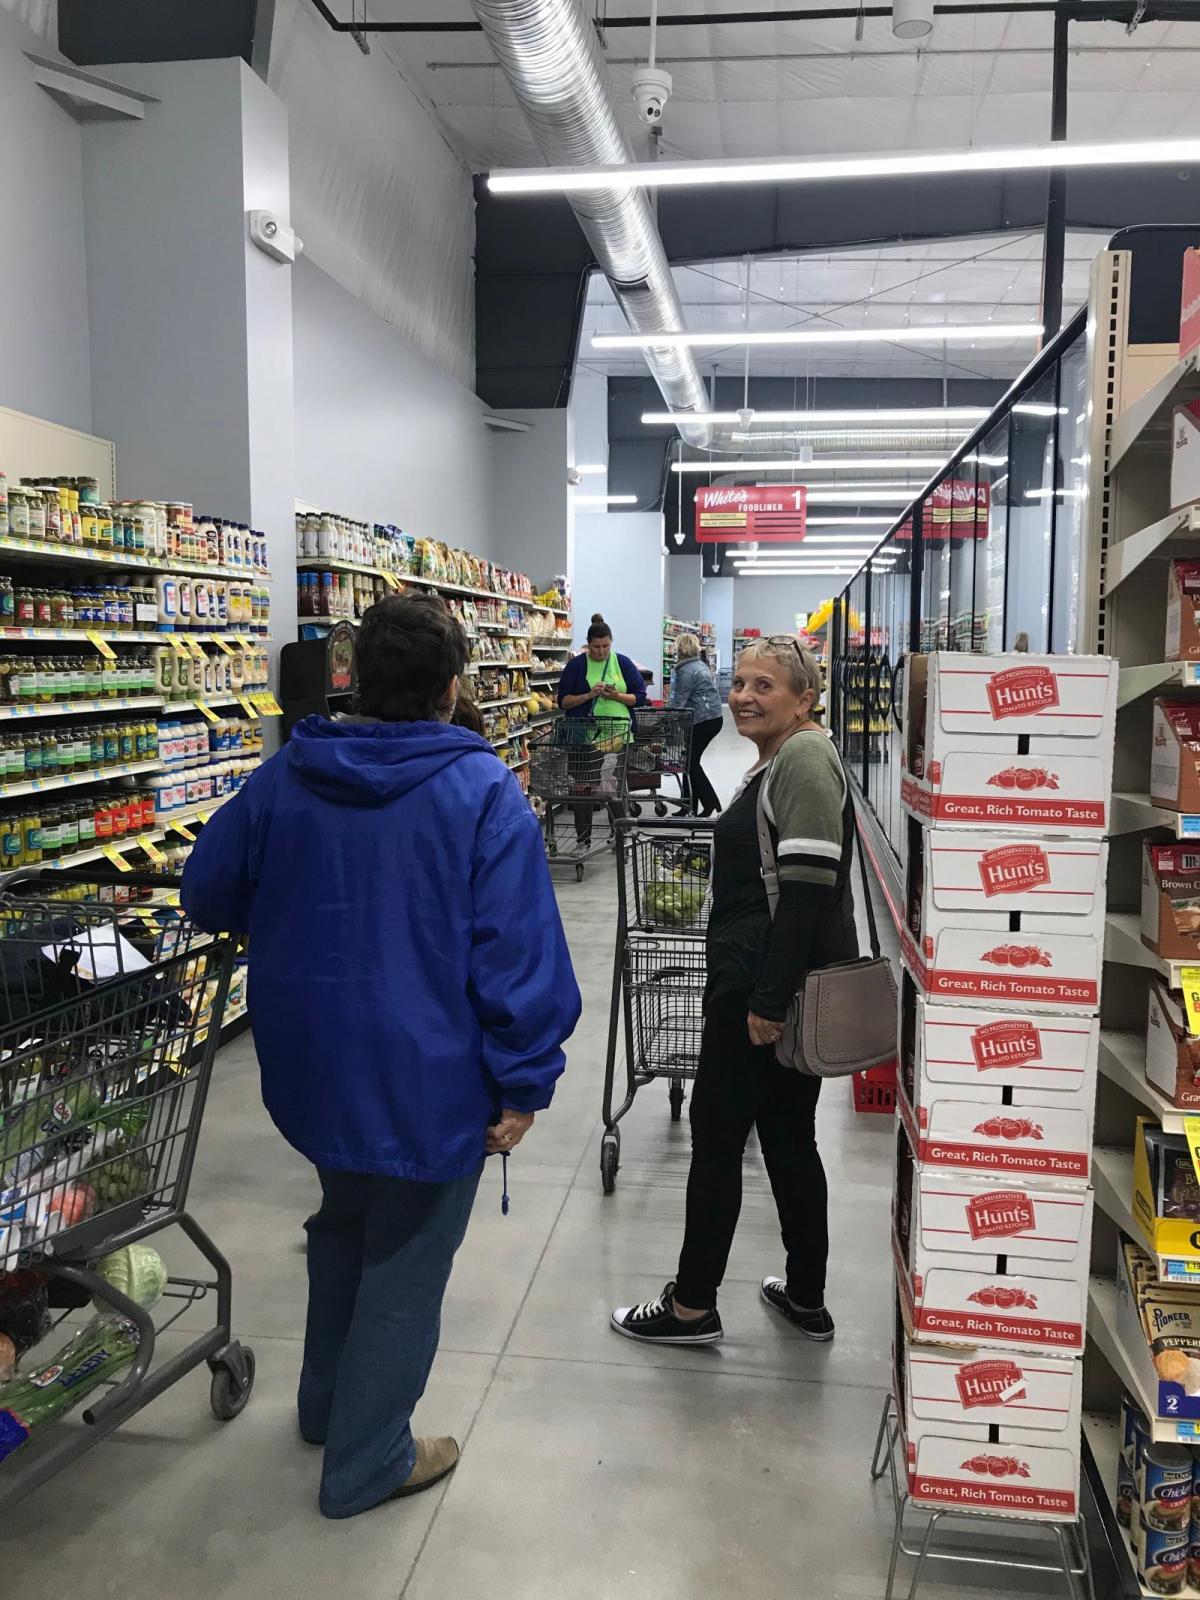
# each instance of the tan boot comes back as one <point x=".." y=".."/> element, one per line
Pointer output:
<point x="436" y="1459"/>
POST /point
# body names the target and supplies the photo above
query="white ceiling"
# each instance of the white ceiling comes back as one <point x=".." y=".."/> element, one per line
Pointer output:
<point x="789" y="87"/>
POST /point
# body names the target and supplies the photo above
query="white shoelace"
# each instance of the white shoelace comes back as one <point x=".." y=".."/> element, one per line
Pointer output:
<point x="650" y="1308"/>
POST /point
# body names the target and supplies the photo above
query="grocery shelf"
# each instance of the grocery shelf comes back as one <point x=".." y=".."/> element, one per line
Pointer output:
<point x="194" y="701"/>
<point x="492" y="627"/>
<point x="156" y="835"/>
<point x="78" y="555"/>
<point x="1134" y="425"/>
<point x="73" y="780"/>
<point x="1123" y="944"/>
<point x="128" y="636"/>
<point x="1134" y="682"/>
<point x="508" y="700"/>
<point x="1101" y="1446"/>
<point x="1123" y="1061"/>
<point x="1131" y="813"/>
<point x="515" y="766"/>
<point x="76" y="708"/>
<point x="1160" y="538"/>
<point x="317" y="564"/>
<point x="1102" y="1329"/>
<point x="545" y="645"/>
<point x="554" y="611"/>
<point x="1112" y="1179"/>
<point x="507" y="738"/>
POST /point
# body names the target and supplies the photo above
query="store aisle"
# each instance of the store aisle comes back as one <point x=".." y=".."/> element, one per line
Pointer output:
<point x="592" y="1465"/>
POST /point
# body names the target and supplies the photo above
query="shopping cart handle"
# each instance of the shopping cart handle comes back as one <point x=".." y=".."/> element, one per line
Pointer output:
<point x="665" y="824"/>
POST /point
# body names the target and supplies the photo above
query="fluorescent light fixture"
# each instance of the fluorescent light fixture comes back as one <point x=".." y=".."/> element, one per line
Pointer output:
<point x="594" y="469"/>
<point x="863" y="497"/>
<point x="822" y="464"/>
<point x="894" y="414"/>
<point x="912" y="438"/>
<point x="788" y="169"/>
<point x="801" y="572"/>
<point x="936" y="333"/>
<point x="1047" y="494"/>
<point x="848" y="522"/>
<point x="871" y="539"/>
<point x="1038" y="408"/>
<point x="604" y="500"/>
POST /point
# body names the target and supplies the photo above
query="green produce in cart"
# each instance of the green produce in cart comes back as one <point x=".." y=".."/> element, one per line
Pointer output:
<point x="96" y="1354"/>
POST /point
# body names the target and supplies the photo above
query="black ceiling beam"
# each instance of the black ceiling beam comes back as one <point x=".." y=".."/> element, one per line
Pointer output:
<point x="1077" y="10"/>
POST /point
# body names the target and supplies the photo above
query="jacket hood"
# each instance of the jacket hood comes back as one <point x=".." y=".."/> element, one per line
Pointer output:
<point x="370" y="763"/>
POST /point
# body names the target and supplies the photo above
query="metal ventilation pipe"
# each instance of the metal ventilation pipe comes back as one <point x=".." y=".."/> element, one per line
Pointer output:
<point x="551" y="56"/>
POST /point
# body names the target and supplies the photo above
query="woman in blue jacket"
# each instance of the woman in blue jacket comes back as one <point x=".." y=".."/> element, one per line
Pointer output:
<point x="410" y="992"/>
<point x="603" y="684"/>
<point x="693" y="689"/>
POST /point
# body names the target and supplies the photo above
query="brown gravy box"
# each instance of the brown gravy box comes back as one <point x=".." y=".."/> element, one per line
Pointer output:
<point x="1175" y="755"/>
<point x="1172" y="1053"/>
<point x="1171" y="900"/>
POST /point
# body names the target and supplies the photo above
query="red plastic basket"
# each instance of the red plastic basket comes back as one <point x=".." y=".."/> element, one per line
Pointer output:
<point x="875" y="1089"/>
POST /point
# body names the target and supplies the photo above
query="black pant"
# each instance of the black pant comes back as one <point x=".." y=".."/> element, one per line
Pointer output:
<point x="704" y="796"/>
<point x="739" y="1086"/>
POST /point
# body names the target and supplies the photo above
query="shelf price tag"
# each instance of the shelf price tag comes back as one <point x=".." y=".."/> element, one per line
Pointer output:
<point x="223" y="644"/>
<point x="1189" y="980"/>
<point x="389" y="578"/>
<point x="96" y="638"/>
<point x="203" y="816"/>
<point x="111" y="853"/>
<point x="267" y="703"/>
<point x="244" y="701"/>
<point x="178" y="645"/>
<point x="244" y="640"/>
<point x="1191" y="1132"/>
<point x="180" y="827"/>
<point x="206" y="710"/>
<point x="196" y="648"/>
<point x="146" y="843"/>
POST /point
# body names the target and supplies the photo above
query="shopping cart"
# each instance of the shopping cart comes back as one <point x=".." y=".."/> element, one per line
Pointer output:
<point x="659" y="968"/>
<point x="662" y="747"/>
<point x="580" y="764"/>
<point x="111" y="1003"/>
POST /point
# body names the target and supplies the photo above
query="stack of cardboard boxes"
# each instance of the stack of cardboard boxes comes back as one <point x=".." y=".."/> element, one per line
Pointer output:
<point x="1006" y="782"/>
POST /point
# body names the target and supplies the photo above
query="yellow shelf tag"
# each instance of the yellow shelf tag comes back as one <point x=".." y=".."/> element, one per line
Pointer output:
<point x="245" y="641"/>
<point x="389" y="578"/>
<point x="1191" y="1132"/>
<point x="196" y="648"/>
<point x="244" y="702"/>
<point x="203" y="816"/>
<point x="146" y="843"/>
<point x="206" y="710"/>
<point x="224" y="644"/>
<point x="146" y="914"/>
<point x="101" y="644"/>
<point x="177" y="644"/>
<point x="1189" y="979"/>
<point x="172" y="900"/>
<point x="180" y="827"/>
<point x="267" y="704"/>
<point x="111" y="853"/>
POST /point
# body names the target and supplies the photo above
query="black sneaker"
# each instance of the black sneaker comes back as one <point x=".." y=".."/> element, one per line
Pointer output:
<point x="816" y="1324"/>
<point x="655" y="1321"/>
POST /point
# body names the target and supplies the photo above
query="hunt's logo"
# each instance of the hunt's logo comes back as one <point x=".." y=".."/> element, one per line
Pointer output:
<point x="1005" y="1044"/>
<point x="1000" y="1215"/>
<point x="990" y="1383"/>
<point x="1022" y="691"/>
<point x="1013" y="868"/>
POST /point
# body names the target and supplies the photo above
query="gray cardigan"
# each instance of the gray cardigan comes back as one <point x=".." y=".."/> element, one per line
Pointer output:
<point x="693" y="689"/>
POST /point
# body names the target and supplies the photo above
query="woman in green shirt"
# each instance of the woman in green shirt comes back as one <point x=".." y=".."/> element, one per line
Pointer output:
<point x="599" y="683"/>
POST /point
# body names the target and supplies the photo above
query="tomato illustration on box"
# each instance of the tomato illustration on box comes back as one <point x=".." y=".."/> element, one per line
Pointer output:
<point x="990" y="1262"/>
<point x="1023" y="743"/>
<point x="989" y="1430"/>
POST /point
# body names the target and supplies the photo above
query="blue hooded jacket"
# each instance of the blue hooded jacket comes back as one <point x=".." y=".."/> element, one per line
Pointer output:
<point x="409" y="977"/>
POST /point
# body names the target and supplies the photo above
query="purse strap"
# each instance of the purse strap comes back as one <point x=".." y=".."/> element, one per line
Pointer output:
<point x="770" y="867"/>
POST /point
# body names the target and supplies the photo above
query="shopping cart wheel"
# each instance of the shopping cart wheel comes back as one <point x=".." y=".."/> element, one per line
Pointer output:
<point x="676" y="1099"/>
<point x="660" y="810"/>
<point x="579" y="872"/>
<point x="634" y="809"/>
<point x="232" y="1381"/>
<point x="610" y="1160"/>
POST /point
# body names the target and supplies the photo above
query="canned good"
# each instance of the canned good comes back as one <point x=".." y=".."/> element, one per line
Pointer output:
<point x="1131" y="1419"/>
<point x="1163" y="1556"/>
<point x="1166" y="1486"/>
<point x="1127" y="1495"/>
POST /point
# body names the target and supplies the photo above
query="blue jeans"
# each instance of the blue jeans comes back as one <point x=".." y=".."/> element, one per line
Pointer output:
<point x="379" y="1257"/>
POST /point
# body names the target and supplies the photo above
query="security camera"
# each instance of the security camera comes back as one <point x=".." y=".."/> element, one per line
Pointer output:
<point x="651" y="91"/>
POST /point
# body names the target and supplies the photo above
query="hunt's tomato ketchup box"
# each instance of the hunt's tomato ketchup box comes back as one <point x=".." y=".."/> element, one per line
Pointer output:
<point x="989" y="1430"/>
<point x="987" y="1092"/>
<point x="990" y="1260"/>
<point x="1019" y="742"/>
<point x="1005" y="920"/>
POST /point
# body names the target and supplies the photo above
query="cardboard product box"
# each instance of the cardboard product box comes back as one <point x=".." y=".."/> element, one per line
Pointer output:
<point x="1172" y="1053"/>
<point x="1159" y="1325"/>
<point x="989" y="1430"/>
<point x="1166" y="1201"/>
<point x="1175" y="754"/>
<point x="989" y="1092"/>
<point x="1022" y="743"/>
<point x="990" y="1262"/>
<point x="1185" y="456"/>
<point x="1171" y="900"/>
<point x="1008" y="921"/>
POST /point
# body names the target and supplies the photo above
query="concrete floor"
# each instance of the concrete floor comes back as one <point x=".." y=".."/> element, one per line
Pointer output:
<point x="591" y="1466"/>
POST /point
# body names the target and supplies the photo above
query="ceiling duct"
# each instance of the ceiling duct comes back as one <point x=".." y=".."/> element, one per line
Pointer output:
<point x="550" y="54"/>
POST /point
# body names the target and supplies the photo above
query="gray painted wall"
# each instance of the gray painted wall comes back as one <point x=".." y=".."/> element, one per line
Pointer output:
<point x="685" y="587"/>
<point x="45" y="367"/>
<point x="382" y="434"/>
<point x="530" y="513"/>
<point x="619" y="572"/>
<point x="718" y="609"/>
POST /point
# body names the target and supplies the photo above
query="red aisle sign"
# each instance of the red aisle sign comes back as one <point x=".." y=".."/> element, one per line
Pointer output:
<point x="1189" y="304"/>
<point x="740" y="515"/>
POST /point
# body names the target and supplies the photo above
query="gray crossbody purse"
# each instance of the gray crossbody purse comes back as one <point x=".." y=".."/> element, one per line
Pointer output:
<point x="843" y="1018"/>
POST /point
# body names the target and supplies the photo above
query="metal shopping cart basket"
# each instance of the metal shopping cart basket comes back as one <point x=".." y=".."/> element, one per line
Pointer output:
<point x="662" y="747"/>
<point x="659" y="969"/>
<point x="111" y="1003"/>
<point x="579" y="764"/>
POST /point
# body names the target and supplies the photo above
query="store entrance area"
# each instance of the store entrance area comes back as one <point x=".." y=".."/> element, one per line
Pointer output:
<point x="591" y="1465"/>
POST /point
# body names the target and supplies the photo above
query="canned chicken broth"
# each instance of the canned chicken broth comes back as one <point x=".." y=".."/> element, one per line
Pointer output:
<point x="1166" y="1486"/>
<point x="1163" y="1558"/>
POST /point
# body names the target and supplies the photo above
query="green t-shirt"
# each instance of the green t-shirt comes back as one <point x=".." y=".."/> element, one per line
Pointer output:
<point x="607" y="671"/>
